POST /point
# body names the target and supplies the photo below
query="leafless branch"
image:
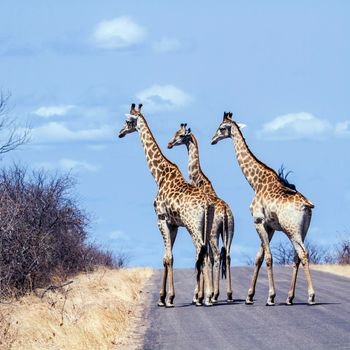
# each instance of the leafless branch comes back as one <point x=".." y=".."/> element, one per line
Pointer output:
<point x="54" y="287"/>
<point x="14" y="136"/>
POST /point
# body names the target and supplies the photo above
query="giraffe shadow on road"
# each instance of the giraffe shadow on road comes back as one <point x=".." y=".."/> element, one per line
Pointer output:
<point x="306" y="304"/>
<point x="219" y="303"/>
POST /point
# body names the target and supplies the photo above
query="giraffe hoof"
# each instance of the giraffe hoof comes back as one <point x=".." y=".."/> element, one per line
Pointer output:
<point x="160" y="304"/>
<point x="214" y="301"/>
<point x="289" y="301"/>
<point x="230" y="301"/>
<point x="169" y="305"/>
<point x="311" y="300"/>
<point x="198" y="303"/>
<point x="270" y="303"/>
<point x="249" y="301"/>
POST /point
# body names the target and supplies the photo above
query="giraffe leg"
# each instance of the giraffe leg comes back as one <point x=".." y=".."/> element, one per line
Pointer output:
<point x="171" y="294"/>
<point x="169" y="236"/>
<point x="291" y="292"/>
<point x="162" y="293"/>
<point x="265" y="234"/>
<point x="211" y="269"/>
<point x="195" y="294"/>
<point x="200" y="289"/>
<point x="203" y="278"/>
<point x="206" y="282"/>
<point x="228" y="269"/>
<point x="216" y="257"/>
<point x="230" y="228"/>
<point x="304" y="258"/>
<point x="258" y="262"/>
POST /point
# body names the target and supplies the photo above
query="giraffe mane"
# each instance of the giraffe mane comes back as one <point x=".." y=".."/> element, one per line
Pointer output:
<point x="283" y="178"/>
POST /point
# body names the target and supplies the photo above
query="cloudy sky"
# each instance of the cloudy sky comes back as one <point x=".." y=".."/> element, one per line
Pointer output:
<point x="282" y="68"/>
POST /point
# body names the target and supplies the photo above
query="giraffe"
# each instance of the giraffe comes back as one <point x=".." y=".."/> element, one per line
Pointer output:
<point x="223" y="219"/>
<point x="177" y="204"/>
<point x="275" y="207"/>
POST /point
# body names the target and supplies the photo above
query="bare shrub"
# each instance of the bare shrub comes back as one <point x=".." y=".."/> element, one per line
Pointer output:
<point x="11" y="135"/>
<point x="343" y="252"/>
<point x="283" y="253"/>
<point x="43" y="232"/>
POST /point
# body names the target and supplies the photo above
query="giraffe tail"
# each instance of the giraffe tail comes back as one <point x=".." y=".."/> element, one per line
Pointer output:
<point x="223" y="249"/>
<point x="203" y="250"/>
<point x="200" y="259"/>
<point x="223" y="262"/>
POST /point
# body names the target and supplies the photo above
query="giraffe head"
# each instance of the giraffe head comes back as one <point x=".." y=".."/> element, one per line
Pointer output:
<point x="131" y="120"/>
<point x="182" y="137"/>
<point x="224" y="129"/>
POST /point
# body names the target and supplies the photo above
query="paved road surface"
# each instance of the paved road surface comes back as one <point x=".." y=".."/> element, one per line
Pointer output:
<point x="325" y="325"/>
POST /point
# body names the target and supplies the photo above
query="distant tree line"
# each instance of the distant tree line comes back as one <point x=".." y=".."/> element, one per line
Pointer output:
<point x="283" y="253"/>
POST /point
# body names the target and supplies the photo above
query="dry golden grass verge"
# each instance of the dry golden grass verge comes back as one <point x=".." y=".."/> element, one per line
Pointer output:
<point x="341" y="270"/>
<point x="94" y="312"/>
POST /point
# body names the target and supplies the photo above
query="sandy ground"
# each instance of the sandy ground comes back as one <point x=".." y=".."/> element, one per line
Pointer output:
<point x="96" y="311"/>
<point x="341" y="270"/>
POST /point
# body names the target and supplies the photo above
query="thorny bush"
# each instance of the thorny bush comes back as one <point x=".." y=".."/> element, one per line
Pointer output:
<point x="43" y="232"/>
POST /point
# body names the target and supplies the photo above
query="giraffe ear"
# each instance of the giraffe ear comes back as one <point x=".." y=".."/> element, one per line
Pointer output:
<point x="241" y="125"/>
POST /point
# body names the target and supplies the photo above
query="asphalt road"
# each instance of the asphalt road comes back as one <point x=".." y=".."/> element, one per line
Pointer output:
<point x="325" y="325"/>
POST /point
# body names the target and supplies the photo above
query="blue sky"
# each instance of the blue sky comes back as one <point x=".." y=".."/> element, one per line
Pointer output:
<point x="282" y="68"/>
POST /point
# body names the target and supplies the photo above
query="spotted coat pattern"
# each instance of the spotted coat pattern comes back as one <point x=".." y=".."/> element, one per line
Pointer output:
<point x="274" y="207"/>
<point x="177" y="203"/>
<point x="223" y="222"/>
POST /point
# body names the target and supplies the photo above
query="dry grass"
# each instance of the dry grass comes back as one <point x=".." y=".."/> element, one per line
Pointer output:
<point x="94" y="312"/>
<point x="341" y="270"/>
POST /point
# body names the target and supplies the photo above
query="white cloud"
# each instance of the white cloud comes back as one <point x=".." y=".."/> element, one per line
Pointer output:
<point x="166" y="45"/>
<point x="49" y="111"/>
<point x="163" y="97"/>
<point x="118" y="33"/>
<point x="97" y="147"/>
<point x="118" y="235"/>
<point x="58" y="132"/>
<point x="342" y="128"/>
<point x="69" y="164"/>
<point x="296" y="126"/>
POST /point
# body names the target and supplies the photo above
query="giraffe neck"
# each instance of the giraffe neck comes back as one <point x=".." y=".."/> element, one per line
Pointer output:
<point x="157" y="162"/>
<point x="253" y="169"/>
<point x="195" y="172"/>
